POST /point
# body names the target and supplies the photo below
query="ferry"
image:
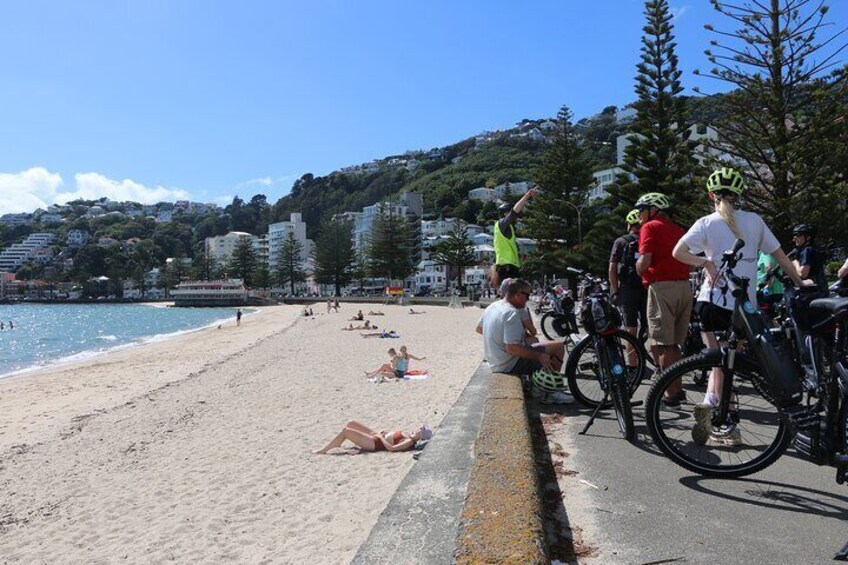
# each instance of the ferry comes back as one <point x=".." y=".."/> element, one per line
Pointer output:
<point x="231" y="292"/>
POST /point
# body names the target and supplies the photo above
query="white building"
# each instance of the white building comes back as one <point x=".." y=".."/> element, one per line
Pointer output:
<point x="279" y="232"/>
<point x="16" y="219"/>
<point x="429" y="274"/>
<point x="603" y="179"/>
<point x="19" y="253"/>
<point x="625" y="115"/>
<point x="442" y="226"/>
<point x="514" y="188"/>
<point x="699" y="133"/>
<point x="407" y="204"/>
<point x="77" y="238"/>
<point x="220" y="248"/>
<point x="482" y="194"/>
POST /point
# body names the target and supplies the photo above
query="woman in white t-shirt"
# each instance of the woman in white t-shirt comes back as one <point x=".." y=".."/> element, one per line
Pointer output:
<point x="712" y="235"/>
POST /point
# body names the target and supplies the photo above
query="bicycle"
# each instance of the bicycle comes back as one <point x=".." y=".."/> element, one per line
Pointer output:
<point x="602" y="355"/>
<point x="791" y="382"/>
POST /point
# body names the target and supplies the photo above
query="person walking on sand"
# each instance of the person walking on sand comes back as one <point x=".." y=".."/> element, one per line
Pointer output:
<point x="238" y="317"/>
<point x="11" y="325"/>
<point x="367" y="439"/>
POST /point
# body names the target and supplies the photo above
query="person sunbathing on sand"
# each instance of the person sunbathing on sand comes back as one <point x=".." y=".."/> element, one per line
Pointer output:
<point x="366" y="326"/>
<point x="367" y="439"/>
<point x="373" y="313"/>
<point x="411" y="311"/>
<point x="391" y="368"/>
<point x="390" y="333"/>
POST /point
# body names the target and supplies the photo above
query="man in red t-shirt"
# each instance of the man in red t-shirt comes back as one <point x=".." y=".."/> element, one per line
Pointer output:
<point x="667" y="281"/>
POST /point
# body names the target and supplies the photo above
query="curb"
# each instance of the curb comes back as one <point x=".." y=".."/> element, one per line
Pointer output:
<point x="502" y="519"/>
<point x="419" y="524"/>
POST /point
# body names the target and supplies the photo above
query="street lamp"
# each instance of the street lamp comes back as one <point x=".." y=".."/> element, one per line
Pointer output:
<point x="579" y="216"/>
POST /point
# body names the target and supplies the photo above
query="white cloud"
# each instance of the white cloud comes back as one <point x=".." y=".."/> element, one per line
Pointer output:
<point x="25" y="191"/>
<point x="284" y="181"/>
<point x="91" y="186"/>
<point x="39" y="188"/>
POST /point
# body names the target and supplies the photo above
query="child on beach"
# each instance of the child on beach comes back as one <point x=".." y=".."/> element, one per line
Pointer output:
<point x="367" y="439"/>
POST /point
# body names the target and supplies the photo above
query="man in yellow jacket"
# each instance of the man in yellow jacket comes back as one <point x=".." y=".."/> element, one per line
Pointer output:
<point x="507" y="261"/>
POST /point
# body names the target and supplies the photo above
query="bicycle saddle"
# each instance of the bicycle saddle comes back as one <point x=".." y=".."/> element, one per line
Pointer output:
<point x="835" y="305"/>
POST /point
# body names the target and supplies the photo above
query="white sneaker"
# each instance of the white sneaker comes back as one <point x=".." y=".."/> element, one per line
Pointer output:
<point x="728" y="435"/>
<point x="557" y="398"/>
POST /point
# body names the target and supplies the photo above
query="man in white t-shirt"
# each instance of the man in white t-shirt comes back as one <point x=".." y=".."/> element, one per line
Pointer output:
<point x="504" y="338"/>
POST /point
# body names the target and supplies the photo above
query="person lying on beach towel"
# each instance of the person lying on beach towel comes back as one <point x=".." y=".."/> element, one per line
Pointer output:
<point x="411" y="311"/>
<point x="367" y="439"/>
<point x="390" y="334"/>
<point x="373" y="313"/>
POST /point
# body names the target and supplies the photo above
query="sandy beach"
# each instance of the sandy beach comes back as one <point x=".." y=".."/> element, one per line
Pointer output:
<point x="198" y="449"/>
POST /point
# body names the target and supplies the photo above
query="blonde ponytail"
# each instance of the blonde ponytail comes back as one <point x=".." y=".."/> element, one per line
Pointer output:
<point x="726" y="207"/>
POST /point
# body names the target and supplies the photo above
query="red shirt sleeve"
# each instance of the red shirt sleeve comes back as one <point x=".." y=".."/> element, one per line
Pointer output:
<point x="646" y="238"/>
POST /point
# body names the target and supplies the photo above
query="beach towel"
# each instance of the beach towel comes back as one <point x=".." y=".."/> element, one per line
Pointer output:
<point x="416" y="375"/>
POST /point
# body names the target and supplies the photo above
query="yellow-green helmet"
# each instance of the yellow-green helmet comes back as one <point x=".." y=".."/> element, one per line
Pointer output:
<point x="633" y="217"/>
<point x="726" y="179"/>
<point x="657" y="199"/>
<point x="548" y="380"/>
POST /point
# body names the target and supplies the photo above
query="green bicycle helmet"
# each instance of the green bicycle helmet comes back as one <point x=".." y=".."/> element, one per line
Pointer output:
<point x="632" y="217"/>
<point x="726" y="179"/>
<point x="657" y="199"/>
<point x="548" y="381"/>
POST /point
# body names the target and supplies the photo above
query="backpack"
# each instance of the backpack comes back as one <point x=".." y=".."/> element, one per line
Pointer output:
<point x="627" y="275"/>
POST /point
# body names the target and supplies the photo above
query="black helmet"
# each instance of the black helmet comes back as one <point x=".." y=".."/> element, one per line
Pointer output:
<point x="804" y="229"/>
<point x="504" y="208"/>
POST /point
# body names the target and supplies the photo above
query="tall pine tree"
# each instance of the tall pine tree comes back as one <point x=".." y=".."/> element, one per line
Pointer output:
<point x="334" y="255"/>
<point x="565" y="178"/>
<point x="243" y="261"/>
<point x="660" y="156"/>
<point x="289" y="270"/>
<point x="389" y="250"/>
<point x="454" y="252"/>
<point x="782" y="118"/>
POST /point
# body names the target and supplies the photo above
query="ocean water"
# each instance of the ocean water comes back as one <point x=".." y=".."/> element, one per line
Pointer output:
<point x="44" y="334"/>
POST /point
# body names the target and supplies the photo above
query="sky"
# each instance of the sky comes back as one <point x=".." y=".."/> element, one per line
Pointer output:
<point x="163" y="100"/>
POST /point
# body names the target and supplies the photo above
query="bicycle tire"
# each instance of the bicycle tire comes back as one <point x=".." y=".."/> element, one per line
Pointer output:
<point x="764" y="434"/>
<point x="548" y="326"/>
<point x="620" y="392"/>
<point x="582" y="374"/>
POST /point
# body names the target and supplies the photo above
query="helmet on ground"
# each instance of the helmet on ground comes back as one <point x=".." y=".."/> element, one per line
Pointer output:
<point x="657" y="199"/>
<point x="804" y="229"/>
<point x="632" y="217"/>
<point x="726" y="179"/>
<point x="548" y="381"/>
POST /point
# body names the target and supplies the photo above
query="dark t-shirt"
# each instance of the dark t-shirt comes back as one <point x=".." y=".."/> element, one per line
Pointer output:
<point x="625" y="266"/>
<point x="810" y="256"/>
<point x="507" y="223"/>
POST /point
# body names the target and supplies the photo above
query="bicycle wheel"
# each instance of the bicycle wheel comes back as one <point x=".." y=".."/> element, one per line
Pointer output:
<point x="581" y="369"/>
<point x="619" y="390"/>
<point x="552" y="324"/>
<point x="763" y="434"/>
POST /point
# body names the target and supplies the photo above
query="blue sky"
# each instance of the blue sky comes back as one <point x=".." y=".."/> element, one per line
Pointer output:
<point x="168" y="99"/>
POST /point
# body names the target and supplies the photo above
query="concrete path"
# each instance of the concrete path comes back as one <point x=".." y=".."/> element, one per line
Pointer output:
<point x="630" y="504"/>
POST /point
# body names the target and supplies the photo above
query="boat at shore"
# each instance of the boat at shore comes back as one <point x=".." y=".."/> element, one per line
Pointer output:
<point x="230" y="292"/>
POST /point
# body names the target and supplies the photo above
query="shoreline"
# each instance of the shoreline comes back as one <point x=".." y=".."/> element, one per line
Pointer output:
<point x="199" y="448"/>
<point x="140" y="341"/>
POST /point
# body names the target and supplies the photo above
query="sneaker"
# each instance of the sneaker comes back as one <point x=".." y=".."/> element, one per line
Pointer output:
<point x="674" y="401"/>
<point x="728" y="435"/>
<point x="557" y="398"/>
<point x="703" y="423"/>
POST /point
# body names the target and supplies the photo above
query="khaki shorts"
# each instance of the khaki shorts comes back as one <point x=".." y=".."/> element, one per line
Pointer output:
<point x="669" y="310"/>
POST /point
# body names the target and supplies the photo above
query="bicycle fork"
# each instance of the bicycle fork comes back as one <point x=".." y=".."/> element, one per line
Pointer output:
<point x="611" y="371"/>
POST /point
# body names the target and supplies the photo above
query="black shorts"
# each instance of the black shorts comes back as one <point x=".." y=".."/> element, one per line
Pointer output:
<point x="527" y="366"/>
<point x="507" y="272"/>
<point x="633" y="304"/>
<point x="713" y="318"/>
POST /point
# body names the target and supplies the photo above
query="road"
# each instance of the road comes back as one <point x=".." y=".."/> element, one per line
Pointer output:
<point x="627" y="503"/>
